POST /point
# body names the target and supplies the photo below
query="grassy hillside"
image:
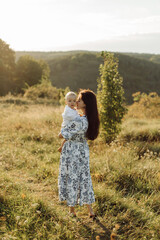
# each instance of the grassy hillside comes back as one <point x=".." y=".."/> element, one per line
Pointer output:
<point x="126" y="179"/>
<point x="80" y="69"/>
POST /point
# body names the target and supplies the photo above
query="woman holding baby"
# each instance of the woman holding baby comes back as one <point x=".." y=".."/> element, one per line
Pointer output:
<point x="74" y="182"/>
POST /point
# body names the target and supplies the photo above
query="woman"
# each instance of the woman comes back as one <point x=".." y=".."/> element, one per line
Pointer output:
<point x="74" y="182"/>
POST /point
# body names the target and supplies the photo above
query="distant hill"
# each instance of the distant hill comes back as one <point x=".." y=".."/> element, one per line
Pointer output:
<point x="155" y="58"/>
<point x="138" y="75"/>
<point x="48" y="55"/>
<point x="80" y="69"/>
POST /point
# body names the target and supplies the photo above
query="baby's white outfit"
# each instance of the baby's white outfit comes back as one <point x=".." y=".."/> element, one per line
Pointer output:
<point x="68" y="115"/>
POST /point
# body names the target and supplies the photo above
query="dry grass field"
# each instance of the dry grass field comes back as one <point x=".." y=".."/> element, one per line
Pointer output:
<point x="125" y="174"/>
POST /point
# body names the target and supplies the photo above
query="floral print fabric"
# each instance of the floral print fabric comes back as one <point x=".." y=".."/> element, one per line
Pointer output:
<point x="74" y="181"/>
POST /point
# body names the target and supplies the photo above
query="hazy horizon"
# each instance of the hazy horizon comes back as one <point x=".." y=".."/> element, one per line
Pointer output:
<point x="93" y="25"/>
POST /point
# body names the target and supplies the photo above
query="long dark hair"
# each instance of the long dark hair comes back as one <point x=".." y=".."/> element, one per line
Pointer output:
<point x="89" y="99"/>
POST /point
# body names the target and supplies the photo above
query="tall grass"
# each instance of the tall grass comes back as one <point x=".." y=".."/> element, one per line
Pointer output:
<point x="125" y="174"/>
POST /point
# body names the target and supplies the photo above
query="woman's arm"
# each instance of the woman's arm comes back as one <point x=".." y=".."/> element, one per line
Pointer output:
<point x="79" y="125"/>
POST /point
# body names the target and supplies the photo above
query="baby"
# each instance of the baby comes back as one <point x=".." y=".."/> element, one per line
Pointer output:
<point x="69" y="113"/>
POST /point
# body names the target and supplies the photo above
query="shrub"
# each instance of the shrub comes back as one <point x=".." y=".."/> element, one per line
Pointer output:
<point x="145" y="106"/>
<point x="42" y="90"/>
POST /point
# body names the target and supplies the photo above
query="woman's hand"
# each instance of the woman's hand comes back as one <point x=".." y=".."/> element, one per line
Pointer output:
<point x="60" y="135"/>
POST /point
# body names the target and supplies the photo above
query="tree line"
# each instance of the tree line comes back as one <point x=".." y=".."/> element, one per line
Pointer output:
<point x="16" y="76"/>
<point x="74" y="69"/>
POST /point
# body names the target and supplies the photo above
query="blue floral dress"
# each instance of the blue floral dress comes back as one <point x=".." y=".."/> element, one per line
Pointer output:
<point x="74" y="181"/>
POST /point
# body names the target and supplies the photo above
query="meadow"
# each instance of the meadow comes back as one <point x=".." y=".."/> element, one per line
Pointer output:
<point x="125" y="175"/>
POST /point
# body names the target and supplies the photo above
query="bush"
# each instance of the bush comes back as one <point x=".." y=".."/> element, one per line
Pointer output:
<point x="43" y="90"/>
<point x="145" y="106"/>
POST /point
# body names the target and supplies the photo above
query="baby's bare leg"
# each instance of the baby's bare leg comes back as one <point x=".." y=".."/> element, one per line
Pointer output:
<point x="60" y="148"/>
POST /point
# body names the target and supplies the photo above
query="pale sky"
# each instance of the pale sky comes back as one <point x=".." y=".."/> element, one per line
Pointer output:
<point x="61" y="25"/>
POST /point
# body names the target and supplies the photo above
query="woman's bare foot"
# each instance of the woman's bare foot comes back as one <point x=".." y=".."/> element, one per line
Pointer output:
<point x="91" y="213"/>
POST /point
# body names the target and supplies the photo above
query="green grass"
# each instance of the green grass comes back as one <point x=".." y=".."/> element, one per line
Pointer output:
<point x="125" y="174"/>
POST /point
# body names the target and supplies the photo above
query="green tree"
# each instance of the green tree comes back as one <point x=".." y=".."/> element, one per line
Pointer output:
<point x="7" y="68"/>
<point x="45" y="72"/>
<point x="29" y="72"/>
<point x="110" y="96"/>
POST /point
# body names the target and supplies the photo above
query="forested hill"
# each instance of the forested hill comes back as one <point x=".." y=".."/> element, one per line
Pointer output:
<point x="150" y="57"/>
<point x="139" y="75"/>
<point x="80" y="69"/>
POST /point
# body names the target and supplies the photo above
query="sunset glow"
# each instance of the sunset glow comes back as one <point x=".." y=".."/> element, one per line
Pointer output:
<point x="53" y="25"/>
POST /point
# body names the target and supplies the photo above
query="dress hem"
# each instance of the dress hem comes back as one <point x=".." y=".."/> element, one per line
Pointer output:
<point x="80" y="204"/>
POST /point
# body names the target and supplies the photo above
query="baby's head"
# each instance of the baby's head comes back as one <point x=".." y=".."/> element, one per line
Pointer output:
<point x="70" y="99"/>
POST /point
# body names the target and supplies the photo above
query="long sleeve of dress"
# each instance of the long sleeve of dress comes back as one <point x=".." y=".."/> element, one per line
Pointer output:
<point x="77" y="126"/>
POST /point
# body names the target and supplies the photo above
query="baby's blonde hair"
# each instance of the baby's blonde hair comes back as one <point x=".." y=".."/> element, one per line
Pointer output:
<point x="70" y="94"/>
